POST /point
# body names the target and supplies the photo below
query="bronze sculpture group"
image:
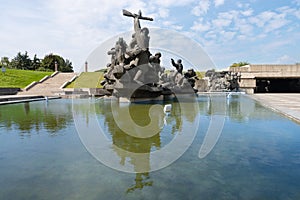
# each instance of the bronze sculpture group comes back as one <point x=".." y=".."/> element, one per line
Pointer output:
<point x="134" y="67"/>
<point x="134" y="64"/>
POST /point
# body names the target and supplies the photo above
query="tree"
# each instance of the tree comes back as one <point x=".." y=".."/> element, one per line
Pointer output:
<point x="21" y="61"/>
<point x="48" y="63"/>
<point x="36" y="63"/>
<point x="5" y="62"/>
<point x="240" y="64"/>
<point x="67" y="67"/>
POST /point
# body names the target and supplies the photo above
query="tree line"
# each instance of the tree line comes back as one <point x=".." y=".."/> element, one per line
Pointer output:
<point x="239" y="64"/>
<point x="23" y="61"/>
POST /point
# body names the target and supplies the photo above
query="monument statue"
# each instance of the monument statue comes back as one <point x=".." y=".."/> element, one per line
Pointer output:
<point x="133" y="65"/>
<point x="225" y="81"/>
<point x="177" y="65"/>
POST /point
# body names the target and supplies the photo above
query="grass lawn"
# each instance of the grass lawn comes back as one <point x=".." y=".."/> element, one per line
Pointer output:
<point x="15" y="78"/>
<point x="87" y="80"/>
<point x="200" y="74"/>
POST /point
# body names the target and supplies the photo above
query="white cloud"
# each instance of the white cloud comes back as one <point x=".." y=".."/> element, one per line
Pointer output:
<point x="219" y="2"/>
<point x="220" y="23"/>
<point x="297" y="2"/>
<point x="297" y="14"/>
<point x="224" y="19"/>
<point x="278" y="44"/>
<point x="262" y="35"/>
<point x="228" y="35"/>
<point x="243" y="37"/>
<point x="242" y="5"/>
<point x="285" y="59"/>
<point x="276" y="22"/>
<point x="82" y="26"/>
<point x="227" y="26"/>
<point x="247" y="13"/>
<point x="270" y="21"/>
<point x="91" y="14"/>
<point x="286" y="9"/>
<point x="168" y="3"/>
<point x="201" y="8"/>
<point x="244" y="27"/>
<point x="290" y="11"/>
<point x="239" y="4"/>
<point x="73" y="28"/>
<point x="200" y="26"/>
<point x="173" y="25"/>
<point x="230" y="15"/>
<point x="163" y="12"/>
<point x="261" y="19"/>
<point x="211" y="35"/>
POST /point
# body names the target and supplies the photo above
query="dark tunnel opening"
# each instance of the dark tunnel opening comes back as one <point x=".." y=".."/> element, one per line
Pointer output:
<point x="277" y="85"/>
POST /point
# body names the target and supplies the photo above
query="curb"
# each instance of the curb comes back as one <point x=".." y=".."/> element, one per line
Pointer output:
<point x="68" y="82"/>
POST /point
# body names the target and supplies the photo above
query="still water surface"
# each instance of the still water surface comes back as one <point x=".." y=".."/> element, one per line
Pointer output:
<point x="257" y="155"/>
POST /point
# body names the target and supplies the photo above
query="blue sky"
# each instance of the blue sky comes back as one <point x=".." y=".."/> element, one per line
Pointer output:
<point x="256" y="31"/>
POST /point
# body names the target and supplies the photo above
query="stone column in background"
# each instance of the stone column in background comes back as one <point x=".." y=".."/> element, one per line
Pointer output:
<point x="55" y="66"/>
<point x="86" y="66"/>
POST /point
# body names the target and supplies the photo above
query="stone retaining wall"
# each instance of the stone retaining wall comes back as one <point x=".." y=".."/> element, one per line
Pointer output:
<point x="9" y="91"/>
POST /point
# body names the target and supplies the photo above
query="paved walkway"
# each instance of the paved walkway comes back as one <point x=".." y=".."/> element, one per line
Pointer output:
<point x="50" y="86"/>
<point x="286" y="103"/>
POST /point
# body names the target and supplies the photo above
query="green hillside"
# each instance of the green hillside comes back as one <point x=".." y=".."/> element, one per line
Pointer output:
<point x="20" y="78"/>
<point x="87" y="80"/>
<point x="200" y="74"/>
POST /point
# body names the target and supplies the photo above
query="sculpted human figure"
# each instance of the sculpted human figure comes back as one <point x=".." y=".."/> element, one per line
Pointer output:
<point x="115" y="68"/>
<point x="141" y="34"/>
<point x="120" y="49"/>
<point x="155" y="62"/>
<point x="156" y="58"/>
<point x="178" y="65"/>
<point x="191" y="77"/>
<point x="110" y="67"/>
<point x="132" y="43"/>
<point x="142" y="40"/>
<point x="112" y="53"/>
<point x="140" y="44"/>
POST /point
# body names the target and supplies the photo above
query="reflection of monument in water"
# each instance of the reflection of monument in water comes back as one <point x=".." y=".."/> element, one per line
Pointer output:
<point x="130" y="144"/>
<point x="125" y="145"/>
<point x="135" y="73"/>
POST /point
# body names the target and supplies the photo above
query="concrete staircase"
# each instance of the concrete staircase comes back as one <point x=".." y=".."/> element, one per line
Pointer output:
<point x="50" y="86"/>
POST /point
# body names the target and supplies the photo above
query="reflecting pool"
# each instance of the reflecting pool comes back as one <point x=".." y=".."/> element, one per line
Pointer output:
<point x="42" y="156"/>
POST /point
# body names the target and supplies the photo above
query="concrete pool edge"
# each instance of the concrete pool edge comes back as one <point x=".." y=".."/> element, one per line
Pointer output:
<point x="13" y="99"/>
<point x="287" y="104"/>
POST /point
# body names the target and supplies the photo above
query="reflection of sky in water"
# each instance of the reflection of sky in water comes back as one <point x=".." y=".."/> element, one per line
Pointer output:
<point x="41" y="157"/>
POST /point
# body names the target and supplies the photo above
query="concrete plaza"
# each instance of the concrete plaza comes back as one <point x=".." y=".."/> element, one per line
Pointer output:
<point x="287" y="104"/>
